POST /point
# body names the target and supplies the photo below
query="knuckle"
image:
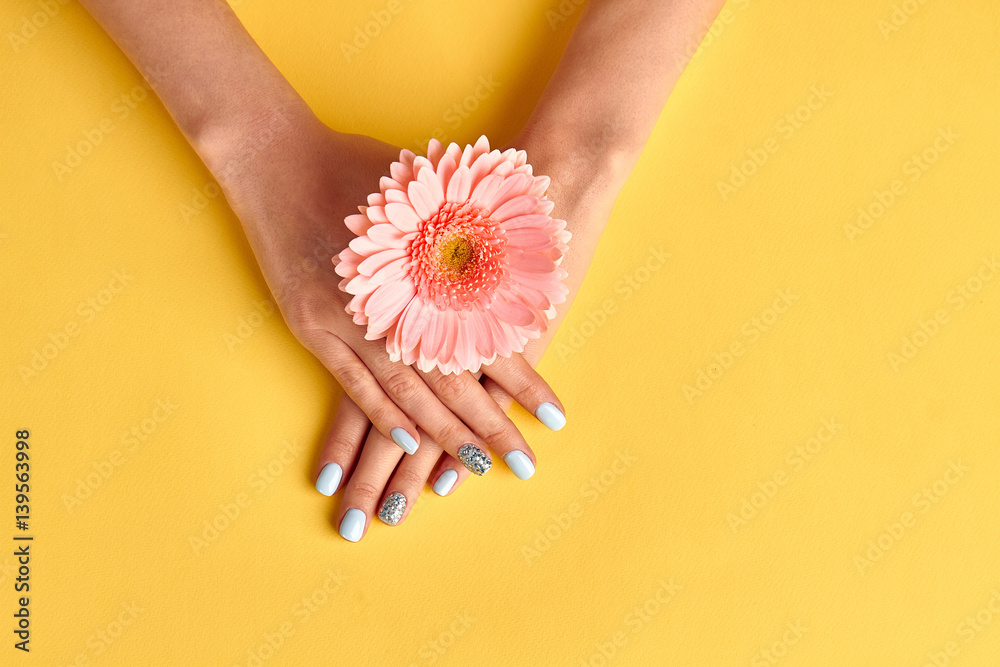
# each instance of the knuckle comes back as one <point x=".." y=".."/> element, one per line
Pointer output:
<point x="451" y="432"/>
<point x="496" y="431"/>
<point x="451" y="388"/>
<point x="402" y="386"/>
<point x="350" y="374"/>
<point x="409" y="480"/>
<point x="365" y="492"/>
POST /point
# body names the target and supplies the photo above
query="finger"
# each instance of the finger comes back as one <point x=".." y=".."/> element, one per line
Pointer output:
<point x="465" y="397"/>
<point x="527" y="387"/>
<point x="407" y="482"/>
<point x="411" y="393"/>
<point x="448" y="474"/>
<point x="366" y="392"/>
<point x="336" y="458"/>
<point x="364" y="489"/>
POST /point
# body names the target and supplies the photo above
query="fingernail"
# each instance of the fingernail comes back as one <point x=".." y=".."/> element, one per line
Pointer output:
<point x="329" y="479"/>
<point x="445" y="482"/>
<point x="474" y="459"/>
<point x="353" y="525"/>
<point x="405" y="441"/>
<point x="519" y="464"/>
<point x="550" y="415"/>
<point x="392" y="508"/>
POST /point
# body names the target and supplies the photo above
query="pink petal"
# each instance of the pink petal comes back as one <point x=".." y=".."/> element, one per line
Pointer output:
<point x="400" y="172"/>
<point x="486" y="189"/>
<point x="425" y="204"/>
<point x="446" y="168"/>
<point x="540" y="185"/>
<point x="364" y="246"/>
<point x="455" y="152"/>
<point x="530" y="262"/>
<point x="358" y="223"/>
<point x="461" y="183"/>
<point x="396" y="197"/>
<point x="417" y="318"/>
<point x="359" y="285"/>
<point x="512" y="187"/>
<point x="529" y="238"/>
<point x="386" y="184"/>
<point x="522" y="205"/>
<point x="376" y="199"/>
<point x="394" y="270"/>
<point x="376" y="214"/>
<point x="388" y="301"/>
<point x="435" y="151"/>
<point x="482" y="145"/>
<point x="449" y="322"/>
<point x="480" y="169"/>
<point x="514" y="313"/>
<point x="524" y="221"/>
<point x="429" y="178"/>
<point x="387" y="236"/>
<point x="419" y="164"/>
<point x="402" y="216"/>
<point x="381" y="259"/>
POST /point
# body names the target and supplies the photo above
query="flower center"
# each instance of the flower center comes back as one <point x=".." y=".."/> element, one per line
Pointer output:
<point x="458" y="256"/>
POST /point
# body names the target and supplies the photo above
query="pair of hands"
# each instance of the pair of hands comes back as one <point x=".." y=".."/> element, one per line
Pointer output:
<point x="292" y="187"/>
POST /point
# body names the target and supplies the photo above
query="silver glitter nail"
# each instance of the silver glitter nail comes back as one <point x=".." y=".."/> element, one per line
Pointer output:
<point x="474" y="459"/>
<point x="392" y="508"/>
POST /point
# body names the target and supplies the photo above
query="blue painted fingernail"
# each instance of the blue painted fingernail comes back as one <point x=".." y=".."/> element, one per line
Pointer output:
<point x="519" y="464"/>
<point x="550" y="415"/>
<point x="405" y="441"/>
<point x="353" y="525"/>
<point x="329" y="479"/>
<point x="445" y="482"/>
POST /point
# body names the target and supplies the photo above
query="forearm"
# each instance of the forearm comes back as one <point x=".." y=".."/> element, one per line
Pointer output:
<point x="206" y="69"/>
<point x="612" y="82"/>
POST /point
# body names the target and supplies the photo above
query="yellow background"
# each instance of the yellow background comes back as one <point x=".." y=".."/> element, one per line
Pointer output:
<point x="473" y="579"/>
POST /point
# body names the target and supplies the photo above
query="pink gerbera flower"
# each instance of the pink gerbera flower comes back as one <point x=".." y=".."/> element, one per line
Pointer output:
<point x="456" y="259"/>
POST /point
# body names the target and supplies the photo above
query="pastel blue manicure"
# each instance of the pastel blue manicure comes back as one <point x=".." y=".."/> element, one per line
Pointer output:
<point x="405" y="441"/>
<point x="445" y="482"/>
<point x="353" y="525"/>
<point x="519" y="464"/>
<point x="550" y="415"/>
<point x="329" y="479"/>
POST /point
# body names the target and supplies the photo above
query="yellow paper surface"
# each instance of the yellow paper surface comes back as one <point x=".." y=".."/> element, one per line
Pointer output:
<point x="783" y="427"/>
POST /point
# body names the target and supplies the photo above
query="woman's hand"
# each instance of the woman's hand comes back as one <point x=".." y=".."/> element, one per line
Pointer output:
<point x="375" y="484"/>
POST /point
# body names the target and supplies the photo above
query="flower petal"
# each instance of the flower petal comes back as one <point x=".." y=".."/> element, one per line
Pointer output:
<point x="529" y="238"/>
<point x="514" y="313"/>
<point x="512" y="208"/>
<point x="358" y="223"/>
<point x="460" y="185"/>
<point x="394" y="270"/>
<point x="435" y="151"/>
<point x="402" y="216"/>
<point x="414" y="323"/>
<point x="429" y="178"/>
<point x="387" y="236"/>
<point x="446" y="168"/>
<point x="388" y="301"/>
<point x="530" y="262"/>
<point x="380" y="259"/>
<point x="425" y="204"/>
